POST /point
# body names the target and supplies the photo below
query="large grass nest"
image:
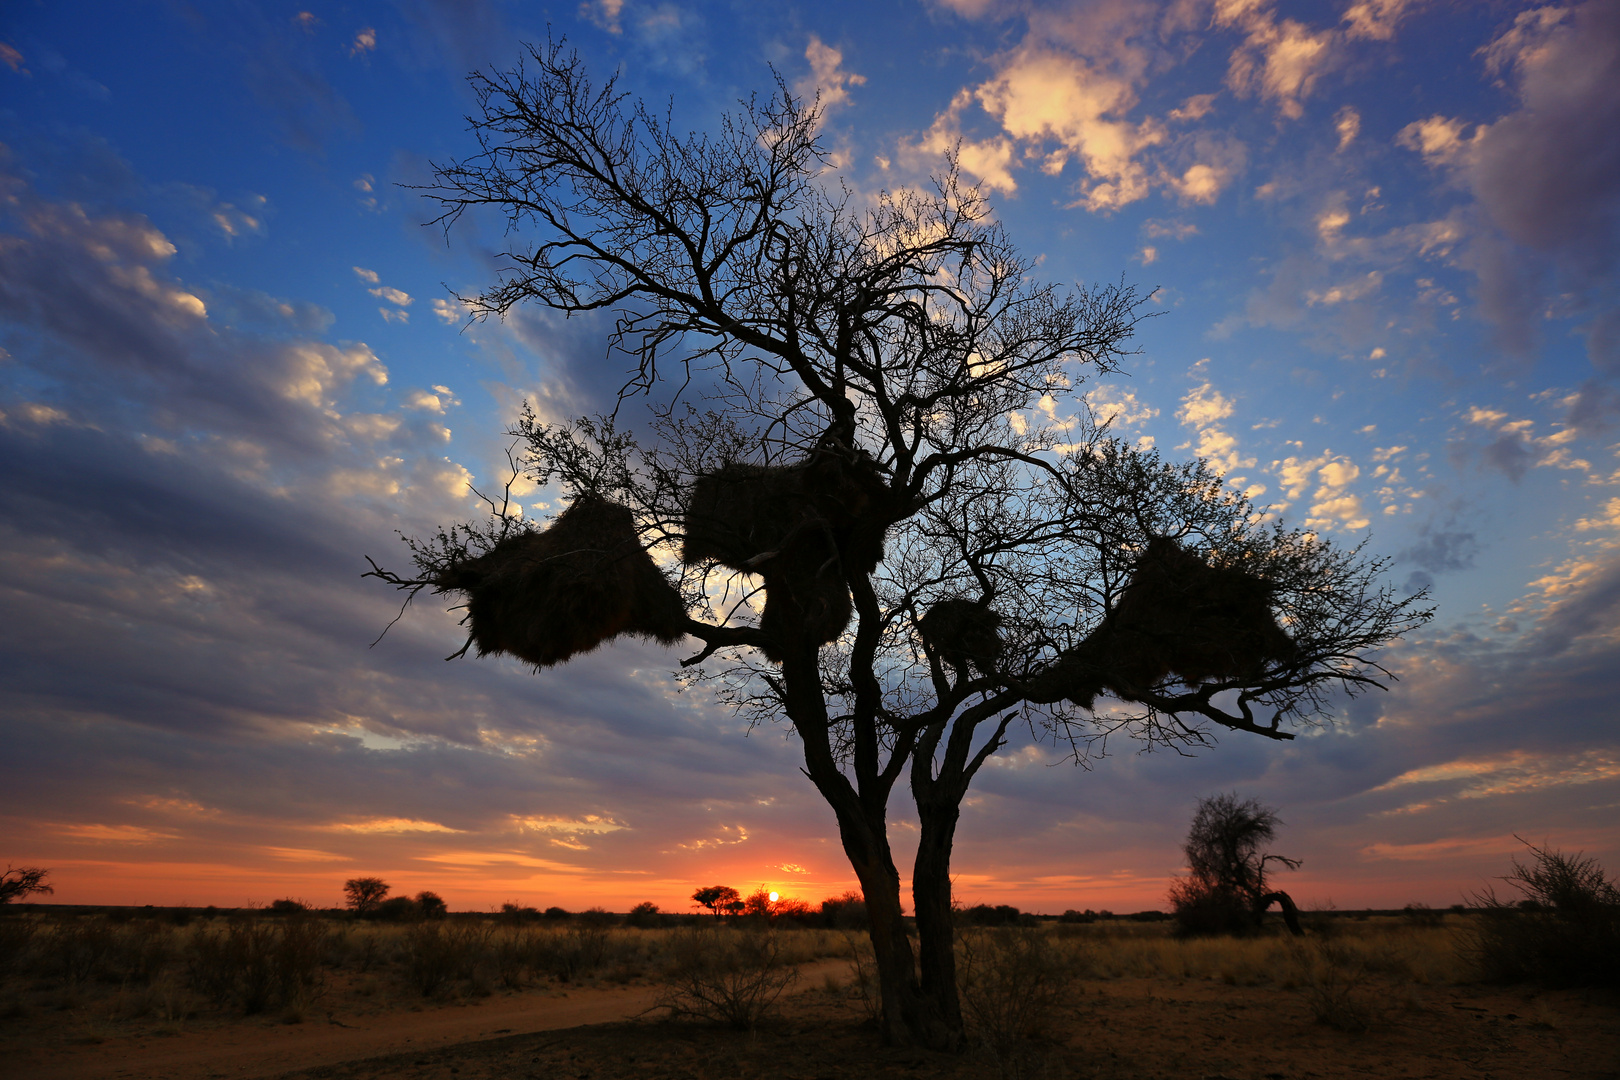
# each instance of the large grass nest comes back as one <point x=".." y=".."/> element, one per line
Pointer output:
<point x="547" y="596"/>
<point x="963" y="632"/>
<point x="802" y="527"/>
<point x="1178" y="615"/>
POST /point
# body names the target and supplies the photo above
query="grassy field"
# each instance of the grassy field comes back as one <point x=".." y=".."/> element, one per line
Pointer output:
<point x="125" y="969"/>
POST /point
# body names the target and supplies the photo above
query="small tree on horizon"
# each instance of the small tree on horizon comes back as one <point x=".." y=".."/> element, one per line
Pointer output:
<point x="720" y="899"/>
<point x="885" y="534"/>
<point x="364" y="895"/>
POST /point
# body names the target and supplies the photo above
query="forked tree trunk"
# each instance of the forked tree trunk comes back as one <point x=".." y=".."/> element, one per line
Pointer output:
<point x="910" y="1016"/>
<point x="1290" y="913"/>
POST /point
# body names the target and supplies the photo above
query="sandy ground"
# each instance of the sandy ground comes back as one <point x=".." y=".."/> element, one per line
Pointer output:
<point x="1121" y="1029"/>
<point x="265" y="1048"/>
<point x="1133" y="1029"/>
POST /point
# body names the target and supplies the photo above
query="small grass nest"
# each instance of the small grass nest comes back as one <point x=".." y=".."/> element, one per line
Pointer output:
<point x="546" y="596"/>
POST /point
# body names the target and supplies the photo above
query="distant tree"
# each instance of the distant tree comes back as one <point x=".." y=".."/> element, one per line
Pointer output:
<point x="364" y="895"/>
<point x="1227" y="891"/>
<point x="432" y="905"/>
<point x="20" y="881"/>
<point x="555" y="913"/>
<point x="869" y="459"/>
<point x="288" y="906"/>
<point x="718" y="898"/>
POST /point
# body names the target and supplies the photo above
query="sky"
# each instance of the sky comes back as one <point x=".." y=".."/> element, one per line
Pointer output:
<point x="1383" y="235"/>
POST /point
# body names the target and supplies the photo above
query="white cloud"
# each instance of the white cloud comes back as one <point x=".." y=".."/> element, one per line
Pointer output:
<point x="1278" y="60"/>
<point x="827" y="79"/>
<point x="369" y="276"/>
<point x="364" y="41"/>
<point x="392" y="295"/>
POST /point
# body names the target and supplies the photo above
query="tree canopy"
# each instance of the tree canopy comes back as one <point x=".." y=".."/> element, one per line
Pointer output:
<point x="867" y="465"/>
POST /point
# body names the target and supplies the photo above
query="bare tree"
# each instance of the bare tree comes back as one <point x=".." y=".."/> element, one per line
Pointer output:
<point x="883" y="539"/>
<point x="1227" y="891"/>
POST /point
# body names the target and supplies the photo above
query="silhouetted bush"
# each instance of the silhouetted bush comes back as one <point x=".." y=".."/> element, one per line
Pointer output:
<point x="254" y="963"/>
<point x="732" y="978"/>
<point x="845" y="912"/>
<point x="1000" y="915"/>
<point x="1012" y="981"/>
<point x="556" y="913"/>
<point x="1564" y="932"/>
<point x="644" y="915"/>
<point x="430" y="905"/>
<point x="287" y="907"/>
<point x="437" y="952"/>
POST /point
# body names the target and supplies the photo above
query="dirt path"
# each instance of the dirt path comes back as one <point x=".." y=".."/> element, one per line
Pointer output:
<point x="268" y="1049"/>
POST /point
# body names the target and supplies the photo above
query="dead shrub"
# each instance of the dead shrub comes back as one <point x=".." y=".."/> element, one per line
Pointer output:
<point x="1012" y="981"/>
<point x="727" y="977"/>
<point x="1335" y="977"/>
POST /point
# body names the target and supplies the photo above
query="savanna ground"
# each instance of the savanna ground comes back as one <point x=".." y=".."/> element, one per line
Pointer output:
<point x="475" y="997"/>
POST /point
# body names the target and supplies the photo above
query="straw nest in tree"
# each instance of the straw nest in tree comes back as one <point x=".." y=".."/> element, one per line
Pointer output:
<point x="963" y="632"/>
<point x="1179" y="615"/>
<point x="546" y="596"/>
<point x="801" y="527"/>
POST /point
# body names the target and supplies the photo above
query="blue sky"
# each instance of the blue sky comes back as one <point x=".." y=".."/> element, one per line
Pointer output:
<point x="1384" y="235"/>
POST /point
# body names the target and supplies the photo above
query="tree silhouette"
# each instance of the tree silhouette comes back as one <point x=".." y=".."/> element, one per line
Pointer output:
<point x="886" y="533"/>
<point x="720" y="899"/>
<point x="1227" y="890"/>
<point x="364" y="895"/>
<point x="22" y="881"/>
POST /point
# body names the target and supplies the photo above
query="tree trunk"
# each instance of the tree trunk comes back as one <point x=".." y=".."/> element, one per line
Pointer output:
<point x="936" y="931"/>
<point x="1290" y="913"/>
<point x="909" y="1017"/>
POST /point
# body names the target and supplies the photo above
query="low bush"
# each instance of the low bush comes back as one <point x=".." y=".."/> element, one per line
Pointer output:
<point x="255" y="963"/>
<point x="1564" y="931"/>
<point x="1335" y="977"/>
<point x="1012" y="982"/>
<point x="732" y="978"/>
<point x="437" y="952"/>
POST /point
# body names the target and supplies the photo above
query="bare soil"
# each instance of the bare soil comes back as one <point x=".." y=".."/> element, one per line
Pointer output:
<point x="1121" y="1029"/>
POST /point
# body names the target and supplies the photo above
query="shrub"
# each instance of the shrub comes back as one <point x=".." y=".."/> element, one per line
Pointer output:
<point x="397" y="909"/>
<point x="557" y="913"/>
<point x="1012" y="981"/>
<point x="644" y="915"/>
<point x="253" y="964"/>
<point x="430" y="905"/>
<point x="287" y="907"/>
<point x="1334" y="977"/>
<point x="732" y="978"/>
<point x="439" y="952"/>
<point x="1000" y="915"/>
<point x="846" y="912"/>
<point x="1565" y="931"/>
